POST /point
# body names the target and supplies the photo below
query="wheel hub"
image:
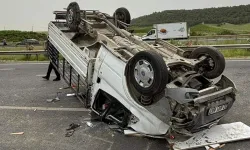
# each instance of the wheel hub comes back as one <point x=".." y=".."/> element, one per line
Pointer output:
<point x="70" y="16"/>
<point x="120" y="17"/>
<point x="209" y="63"/>
<point x="144" y="73"/>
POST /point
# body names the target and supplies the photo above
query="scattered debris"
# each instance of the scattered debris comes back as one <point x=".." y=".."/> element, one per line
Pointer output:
<point x="90" y="124"/>
<point x="91" y="119"/>
<point x="114" y="126"/>
<point x="212" y="146"/>
<point x="54" y="99"/>
<point x="73" y="94"/>
<point x="71" y="129"/>
<point x="134" y="133"/>
<point x="171" y="137"/>
<point x="62" y="88"/>
<point x="69" y="133"/>
<point x="216" y="135"/>
<point x="73" y="126"/>
<point x="35" y="110"/>
<point x="73" y="86"/>
<point x="129" y="132"/>
<point x="17" y="133"/>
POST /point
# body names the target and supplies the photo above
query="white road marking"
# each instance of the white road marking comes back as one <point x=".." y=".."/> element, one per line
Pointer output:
<point x="42" y="75"/>
<point x="44" y="108"/>
<point x="7" y="69"/>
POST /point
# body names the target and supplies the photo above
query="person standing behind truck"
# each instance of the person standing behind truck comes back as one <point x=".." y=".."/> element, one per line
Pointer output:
<point x="53" y="55"/>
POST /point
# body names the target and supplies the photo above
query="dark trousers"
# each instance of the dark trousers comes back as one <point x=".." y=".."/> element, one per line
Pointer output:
<point x="50" y="69"/>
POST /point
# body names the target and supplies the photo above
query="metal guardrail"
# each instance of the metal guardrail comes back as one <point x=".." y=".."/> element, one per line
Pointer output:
<point x="31" y="52"/>
<point x="221" y="47"/>
<point x="230" y="36"/>
<point x="212" y="40"/>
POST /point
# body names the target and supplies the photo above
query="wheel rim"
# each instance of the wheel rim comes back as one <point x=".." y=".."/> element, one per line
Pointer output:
<point x="70" y="16"/>
<point x="209" y="64"/>
<point x="144" y="73"/>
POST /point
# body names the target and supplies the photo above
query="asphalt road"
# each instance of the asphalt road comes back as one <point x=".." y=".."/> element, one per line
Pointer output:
<point x="21" y="86"/>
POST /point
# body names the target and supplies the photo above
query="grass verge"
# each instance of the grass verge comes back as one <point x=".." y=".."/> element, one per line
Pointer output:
<point x="22" y="58"/>
<point x="20" y="48"/>
<point x="236" y="53"/>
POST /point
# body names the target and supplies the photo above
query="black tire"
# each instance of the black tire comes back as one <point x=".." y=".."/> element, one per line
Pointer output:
<point x="160" y="72"/>
<point x="122" y="14"/>
<point x="216" y="56"/>
<point x="73" y="20"/>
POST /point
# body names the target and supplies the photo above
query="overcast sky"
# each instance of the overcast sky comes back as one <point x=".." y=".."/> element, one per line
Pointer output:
<point x="23" y="14"/>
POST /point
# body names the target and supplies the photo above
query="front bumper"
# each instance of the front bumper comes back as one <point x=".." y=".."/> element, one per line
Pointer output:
<point x="205" y="120"/>
<point x="207" y="109"/>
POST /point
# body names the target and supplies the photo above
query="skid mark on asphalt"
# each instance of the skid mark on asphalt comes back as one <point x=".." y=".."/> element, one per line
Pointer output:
<point x="45" y="108"/>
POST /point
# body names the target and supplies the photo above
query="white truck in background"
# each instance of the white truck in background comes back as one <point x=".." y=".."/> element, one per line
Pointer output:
<point x="167" y="31"/>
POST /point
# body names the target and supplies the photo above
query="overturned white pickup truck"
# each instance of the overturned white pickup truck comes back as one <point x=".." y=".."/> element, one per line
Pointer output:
<point x="154" y="89"/>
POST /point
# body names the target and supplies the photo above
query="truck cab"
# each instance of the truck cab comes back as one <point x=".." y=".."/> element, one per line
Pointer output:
<point x="151" y="35"/>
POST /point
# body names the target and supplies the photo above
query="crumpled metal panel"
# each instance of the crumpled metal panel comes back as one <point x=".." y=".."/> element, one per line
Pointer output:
<point x="218" y="134"/>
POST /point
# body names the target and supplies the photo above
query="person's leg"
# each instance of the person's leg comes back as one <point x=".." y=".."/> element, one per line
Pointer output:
<point x="58" y="77"/>
<point x="49" y="71"/>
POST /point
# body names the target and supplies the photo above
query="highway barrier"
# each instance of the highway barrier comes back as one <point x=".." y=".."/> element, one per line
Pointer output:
<point x="188" y="48"/>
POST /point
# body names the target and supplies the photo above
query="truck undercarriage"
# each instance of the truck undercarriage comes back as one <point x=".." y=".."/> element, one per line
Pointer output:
<point x="154" y="89"/>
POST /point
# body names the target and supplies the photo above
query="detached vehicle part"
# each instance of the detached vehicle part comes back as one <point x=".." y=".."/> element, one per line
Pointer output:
<point x="154" y="89"/>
